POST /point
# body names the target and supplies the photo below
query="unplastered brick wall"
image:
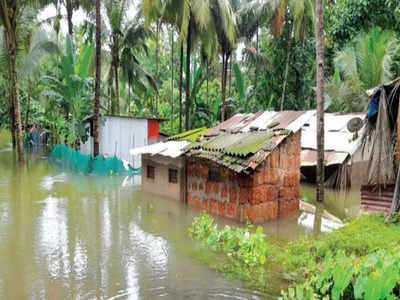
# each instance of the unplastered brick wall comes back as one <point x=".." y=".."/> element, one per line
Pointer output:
<point x="271" y="191"/>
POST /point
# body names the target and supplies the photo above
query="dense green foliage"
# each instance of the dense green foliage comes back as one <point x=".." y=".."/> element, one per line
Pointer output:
<point x="141" y="60"/>
<point x="371" y="277"/>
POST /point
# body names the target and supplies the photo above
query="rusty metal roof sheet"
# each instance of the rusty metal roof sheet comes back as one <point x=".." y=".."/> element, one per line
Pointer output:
<point x="309" y="158"/>
<point x="262" y="121"/>
<point x="339" y="142"/>
<point x="244" y="141"/>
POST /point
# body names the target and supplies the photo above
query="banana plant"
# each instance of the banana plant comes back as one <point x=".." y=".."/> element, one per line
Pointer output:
<point x="71" y="89"/>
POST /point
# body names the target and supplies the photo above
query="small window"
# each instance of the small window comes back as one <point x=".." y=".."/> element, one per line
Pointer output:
<point x="213" y="175"/>
<point x="173" y="175"/>
<point x="150" y="172"/>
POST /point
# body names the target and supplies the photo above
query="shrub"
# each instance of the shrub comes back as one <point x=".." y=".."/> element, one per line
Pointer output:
<point x="375" y="276"/>
<point x="246" y="250"/>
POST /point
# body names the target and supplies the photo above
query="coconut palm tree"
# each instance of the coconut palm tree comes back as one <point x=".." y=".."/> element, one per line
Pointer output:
<point x="274" y="12"/>
<point x="319" y="38"/>
<point x="116" y="13"/>
<point x="364" y="63"/>
<point x="194" y="20"/>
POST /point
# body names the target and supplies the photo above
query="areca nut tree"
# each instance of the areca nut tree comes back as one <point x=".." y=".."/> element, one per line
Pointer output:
<point x="96" y="127"/>
<point x="319" y="38"/>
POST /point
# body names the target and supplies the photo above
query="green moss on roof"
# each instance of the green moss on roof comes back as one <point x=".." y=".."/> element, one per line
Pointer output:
<point x="240" y="144"/>
<point x="190" y="135"/>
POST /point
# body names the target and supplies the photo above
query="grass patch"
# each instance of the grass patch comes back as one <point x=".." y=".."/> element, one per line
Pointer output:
<point x="5" y="138"/>
<point x="311" y="263"/>
<point x="360" y="237"/>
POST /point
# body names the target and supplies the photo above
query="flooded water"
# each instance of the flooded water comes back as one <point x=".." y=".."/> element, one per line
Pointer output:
<point x="69" y="236"/>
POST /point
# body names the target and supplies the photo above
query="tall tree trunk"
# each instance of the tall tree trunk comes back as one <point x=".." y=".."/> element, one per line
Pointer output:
<point x="289" y="53"/>
<point x="155" y="107"/>
<point x="225" y="64"/>
<point x="319" y="32"/>
<point x="70" y="10"/>
<point x="172" y="78"/>
<point x="13" y="46"/>
<point x="180" y="88"/>
<point x="188" y="50"/>
<point x="10" y="19"/>
<point x="230" y="77"/>
<point x="257" y="52"/>
<point x="96" y="127"/>
<point x="11" y="115"/>
<point x="207" y="74"/>
<point x="116" y="77"/>
<point x="28" y="106"/>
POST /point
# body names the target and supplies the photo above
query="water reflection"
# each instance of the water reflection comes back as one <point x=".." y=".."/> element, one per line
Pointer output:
<point x="69" y="236"/>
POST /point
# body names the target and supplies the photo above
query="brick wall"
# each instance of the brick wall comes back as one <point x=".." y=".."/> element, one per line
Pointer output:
<point x="273" y="190"/>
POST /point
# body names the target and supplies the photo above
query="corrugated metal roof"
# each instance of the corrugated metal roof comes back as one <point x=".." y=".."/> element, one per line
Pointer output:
<point x="337" y="137"/>
<point x="309" y="158"/>
<point x="239" y="144"/>
<point x="171" y="149"/>
<point x="290" y="120"/>
<point x="244" y="141"/>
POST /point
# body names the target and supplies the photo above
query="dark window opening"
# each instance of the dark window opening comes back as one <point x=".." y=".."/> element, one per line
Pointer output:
<point x="150" y="172"/>
<point x="213" y="175"/>
<point x="173" y="175"/>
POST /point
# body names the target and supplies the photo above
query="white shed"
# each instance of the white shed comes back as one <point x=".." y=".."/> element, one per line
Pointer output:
<point x="119" y="134"/>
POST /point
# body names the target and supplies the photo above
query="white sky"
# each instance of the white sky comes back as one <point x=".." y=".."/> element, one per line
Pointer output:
<point x="78" y="17"/>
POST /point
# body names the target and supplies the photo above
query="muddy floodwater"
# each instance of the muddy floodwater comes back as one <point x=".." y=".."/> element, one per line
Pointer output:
<point x="70" y="236"/>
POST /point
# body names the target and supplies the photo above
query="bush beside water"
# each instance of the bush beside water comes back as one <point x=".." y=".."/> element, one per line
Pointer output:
<point x="358" y="261"/>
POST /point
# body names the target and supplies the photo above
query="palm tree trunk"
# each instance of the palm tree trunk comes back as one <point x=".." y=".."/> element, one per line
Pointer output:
<point x="172" y="78"/>
<point x="319" y="32"/>
<point x="116" y="77"/>
<point x="230" y="77"/>
<point x="225" y="64"/>
<point x="96" y="127"/>
<point x="222" y="89"/>
<point x="188" y="50"/>
<point x="14" y="93"/>
<point x="207" y="87"/>
<point x="11" y="40"/>
<point x="69" y="8"/>
<point x="289" y="52"/>
<point x="12" y="122"/>
<point x="180" y="88"/>
<point x="28" y="106"/>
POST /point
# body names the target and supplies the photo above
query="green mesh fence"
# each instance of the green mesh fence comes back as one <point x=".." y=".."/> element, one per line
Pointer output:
<point x="74" y="160"/>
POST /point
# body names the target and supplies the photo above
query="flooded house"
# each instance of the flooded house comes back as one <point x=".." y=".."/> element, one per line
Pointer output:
<point x="163" y="165"/>
<point x="346" y="157"/>
<point x="248" y="167"/>
<point x="383" y="127"/>
<point x="119" y="134"/>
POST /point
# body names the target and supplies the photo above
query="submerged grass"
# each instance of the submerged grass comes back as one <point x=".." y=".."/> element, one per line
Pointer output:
<point x="5" y="138"/>
<point x="258" y="258"/>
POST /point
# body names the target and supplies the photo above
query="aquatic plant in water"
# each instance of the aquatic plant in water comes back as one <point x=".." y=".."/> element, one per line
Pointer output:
<point x="246" y="249"/>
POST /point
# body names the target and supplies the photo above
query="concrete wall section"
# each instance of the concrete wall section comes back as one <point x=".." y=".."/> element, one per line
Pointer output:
<point x="160" y="185"/>
<point x="272" y="191"/>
